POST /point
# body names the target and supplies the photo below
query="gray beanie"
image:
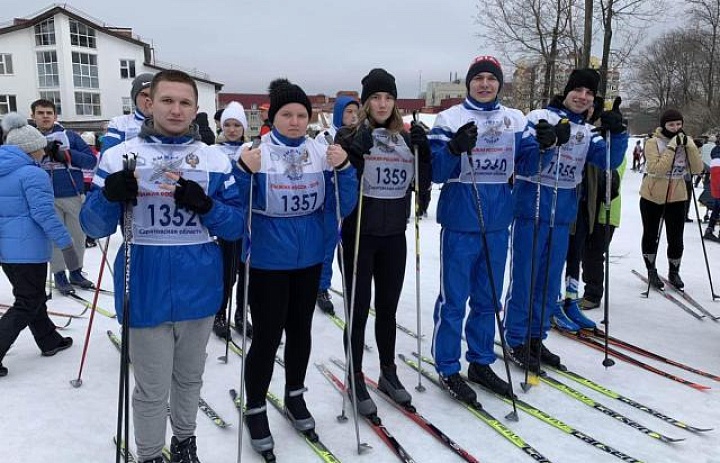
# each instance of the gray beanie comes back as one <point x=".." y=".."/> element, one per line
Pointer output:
<point x="140" y="83"/>
<point x="24" y="136"/>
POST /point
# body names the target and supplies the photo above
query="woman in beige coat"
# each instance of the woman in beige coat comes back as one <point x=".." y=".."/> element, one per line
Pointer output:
<point x="670" y="154"/>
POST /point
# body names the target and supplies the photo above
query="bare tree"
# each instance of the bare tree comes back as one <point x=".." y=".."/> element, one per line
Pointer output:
<point x="528" y="29"/>
<point x="707" y="15"/>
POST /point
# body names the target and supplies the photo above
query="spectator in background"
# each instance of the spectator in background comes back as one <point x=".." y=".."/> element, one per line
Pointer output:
<point x="266" y="125"/>
<point x="127" y="127"/>
<point x="65" y="156"/>
<point x="637" y="155"/>
<point x="206" y="134"/>
<point x="91" y="140"/>
<point x="715" y="192"/>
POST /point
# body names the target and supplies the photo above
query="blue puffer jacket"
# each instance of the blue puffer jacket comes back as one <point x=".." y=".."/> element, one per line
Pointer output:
<point x="67" y="181"/>
<point x="28" y="222"/>
<point x="169" y="283"/>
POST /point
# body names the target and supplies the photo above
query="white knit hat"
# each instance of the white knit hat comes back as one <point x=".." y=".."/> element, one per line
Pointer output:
<point x="19" y="133"/>
<point x="234" y="110"/>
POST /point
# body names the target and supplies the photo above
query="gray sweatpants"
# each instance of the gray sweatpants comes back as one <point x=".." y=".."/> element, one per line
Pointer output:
<point x="168" y="362"/>
<point x="68" y="211"/>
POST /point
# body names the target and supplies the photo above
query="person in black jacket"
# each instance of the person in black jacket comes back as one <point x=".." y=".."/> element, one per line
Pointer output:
<point x="206" y="133"/>
<point x="381" y="152"/>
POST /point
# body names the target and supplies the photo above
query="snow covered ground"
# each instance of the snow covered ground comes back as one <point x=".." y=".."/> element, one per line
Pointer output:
<point x="44" y="419"/>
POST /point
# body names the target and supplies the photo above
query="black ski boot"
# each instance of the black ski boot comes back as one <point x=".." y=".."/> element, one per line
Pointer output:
<point x="323" y="301"/>
<point x="239" y="324"/>
<point x="62" y="284"/>
<point x="78" y="279"/>
<point x="655" y="280"/>
<point x="220" y="326"/>
<point x="64" y="343"/>
<point x="674" y="274"/>
<point x="458" y="388"/>
<point x="546" y="357"/>
<point x="3" y="370"/>
<point x="296" y="410"/>
<point x="183" y="451"/>
<point x="525" y="357"/>
<point x="485" y="376"/>
<point x="154" y="460"/>
<point x="365" y="404"/>
<point x="710" y="236"/>
<point x="390" y="384"/>
<point x="256" y="421"/>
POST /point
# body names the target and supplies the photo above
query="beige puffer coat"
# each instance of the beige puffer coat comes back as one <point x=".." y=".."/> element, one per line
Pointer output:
<point x="664" y="165"/>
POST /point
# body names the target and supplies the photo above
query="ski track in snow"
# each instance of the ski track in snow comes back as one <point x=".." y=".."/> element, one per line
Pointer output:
<point x="45" y="419"/>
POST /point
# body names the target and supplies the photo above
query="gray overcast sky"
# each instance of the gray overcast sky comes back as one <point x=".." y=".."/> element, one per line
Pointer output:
<point x="323" y="45"/>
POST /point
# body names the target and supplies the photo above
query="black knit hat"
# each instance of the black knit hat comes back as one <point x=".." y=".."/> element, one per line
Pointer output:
<point x="670" y="115"/>
<point x="588" y="78"/>
<point x="377" y="80"/>
<point x="484" y="63"/>
<point x="283" y="92"/>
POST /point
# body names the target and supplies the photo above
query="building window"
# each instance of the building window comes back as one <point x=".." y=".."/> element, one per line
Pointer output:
<point x="54" y="96"/>
<point x="127" y="106"/>
<point x="85" y="70"/>
<point x="8" y="104"/>
<point x="6" y="63"/>
<point x="45" y="33"/>
<point x="47" y="68"/>
<point x="81" y="35"/>
<point x="87" y="104"/>
<point x="127" y="68"/>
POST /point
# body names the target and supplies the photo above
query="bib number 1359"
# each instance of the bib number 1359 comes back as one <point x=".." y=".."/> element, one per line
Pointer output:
<point x="387" y="176"/>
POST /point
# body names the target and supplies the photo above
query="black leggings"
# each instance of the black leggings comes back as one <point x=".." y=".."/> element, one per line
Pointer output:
<point x="381" y="261"/>
<point x="280" y="300"/>
<point x="233" y="270"/>
<point x="651" y="214"/>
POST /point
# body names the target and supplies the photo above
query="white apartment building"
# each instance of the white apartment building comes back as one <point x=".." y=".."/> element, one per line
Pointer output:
<point x="438" y="91"/>
<point x="84" y="66"/>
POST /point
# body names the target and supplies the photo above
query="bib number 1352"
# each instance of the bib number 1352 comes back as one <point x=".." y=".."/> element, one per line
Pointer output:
<point x="165" y="215"/>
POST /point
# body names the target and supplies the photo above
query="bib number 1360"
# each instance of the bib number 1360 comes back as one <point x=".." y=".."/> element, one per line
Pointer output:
<point x="165" y="215"/>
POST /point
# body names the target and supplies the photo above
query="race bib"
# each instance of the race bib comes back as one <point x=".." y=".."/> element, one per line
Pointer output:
<point x="389" y="168"/>
<point x="568" y="163"/>
<point x="492" y="158"/>
<point x="157" y="220"/>
<point x="60" y="137"/>
<point x="294" y="181"/>
<point x="679" y="167"/>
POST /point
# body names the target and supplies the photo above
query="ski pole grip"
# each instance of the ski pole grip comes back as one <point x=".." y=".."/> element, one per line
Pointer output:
<point x="129" y="161"/>
<point x="328" y="138"/>
<point x="255" y="143"/>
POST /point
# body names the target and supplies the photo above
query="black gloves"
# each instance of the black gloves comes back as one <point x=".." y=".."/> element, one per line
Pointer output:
<point x="53" y="151"/>
<point x="191" y="196"/>
<point x="545" y="134"/>
<point x="417" y="135"/>
<point x="121" y="187"/>
<point x="612" y="120"/>
<point x="464" y="139"/>
<point x="562" y="132"/>
<point x="680" y="139"/>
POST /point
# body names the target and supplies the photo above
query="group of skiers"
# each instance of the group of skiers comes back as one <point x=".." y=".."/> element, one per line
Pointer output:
<point x="280" y="207"/>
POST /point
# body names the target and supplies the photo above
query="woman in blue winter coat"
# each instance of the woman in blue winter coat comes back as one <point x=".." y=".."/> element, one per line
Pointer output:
<point x="292" y="178"/>
<point x="28" y="227"/>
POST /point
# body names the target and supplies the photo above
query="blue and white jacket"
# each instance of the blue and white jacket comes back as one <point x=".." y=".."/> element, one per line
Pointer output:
<point x="293" y="240"/>
<point x="122" y="128"/>
<point x="169" y="282"/>
<point x="67" y="180"/>
<point x="504" y="143"/>
<point x="584" y="146"/>
<point x="28" y="222"/>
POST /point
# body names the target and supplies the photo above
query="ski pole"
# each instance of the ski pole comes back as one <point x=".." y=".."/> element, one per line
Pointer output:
<point x="607" y="361"/>
<point x="553" y="210"/>
<point x="228" y="294"/>
<point x="526" y="385"/>
<point x="349" y="307"/>
<point x="246" y="301"/>
<point x="105" y="250"/>
<point x="129" y="161"/>
<point x="702" y="241"/>
<point x="512" y="416"/>
<point x="418" y="316"/>
<point x="78" y="381"/>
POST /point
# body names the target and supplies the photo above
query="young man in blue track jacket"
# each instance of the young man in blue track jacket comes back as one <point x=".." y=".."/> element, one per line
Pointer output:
<point x="65" y="157"/>
<point x="127" y="126"/>
<point x="476" y="142"/>
<point x="561" y="131"/>
<point x="183" y="195"/>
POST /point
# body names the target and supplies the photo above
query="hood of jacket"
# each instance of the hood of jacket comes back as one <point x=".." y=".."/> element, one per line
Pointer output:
<point x="12" y="158"/>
